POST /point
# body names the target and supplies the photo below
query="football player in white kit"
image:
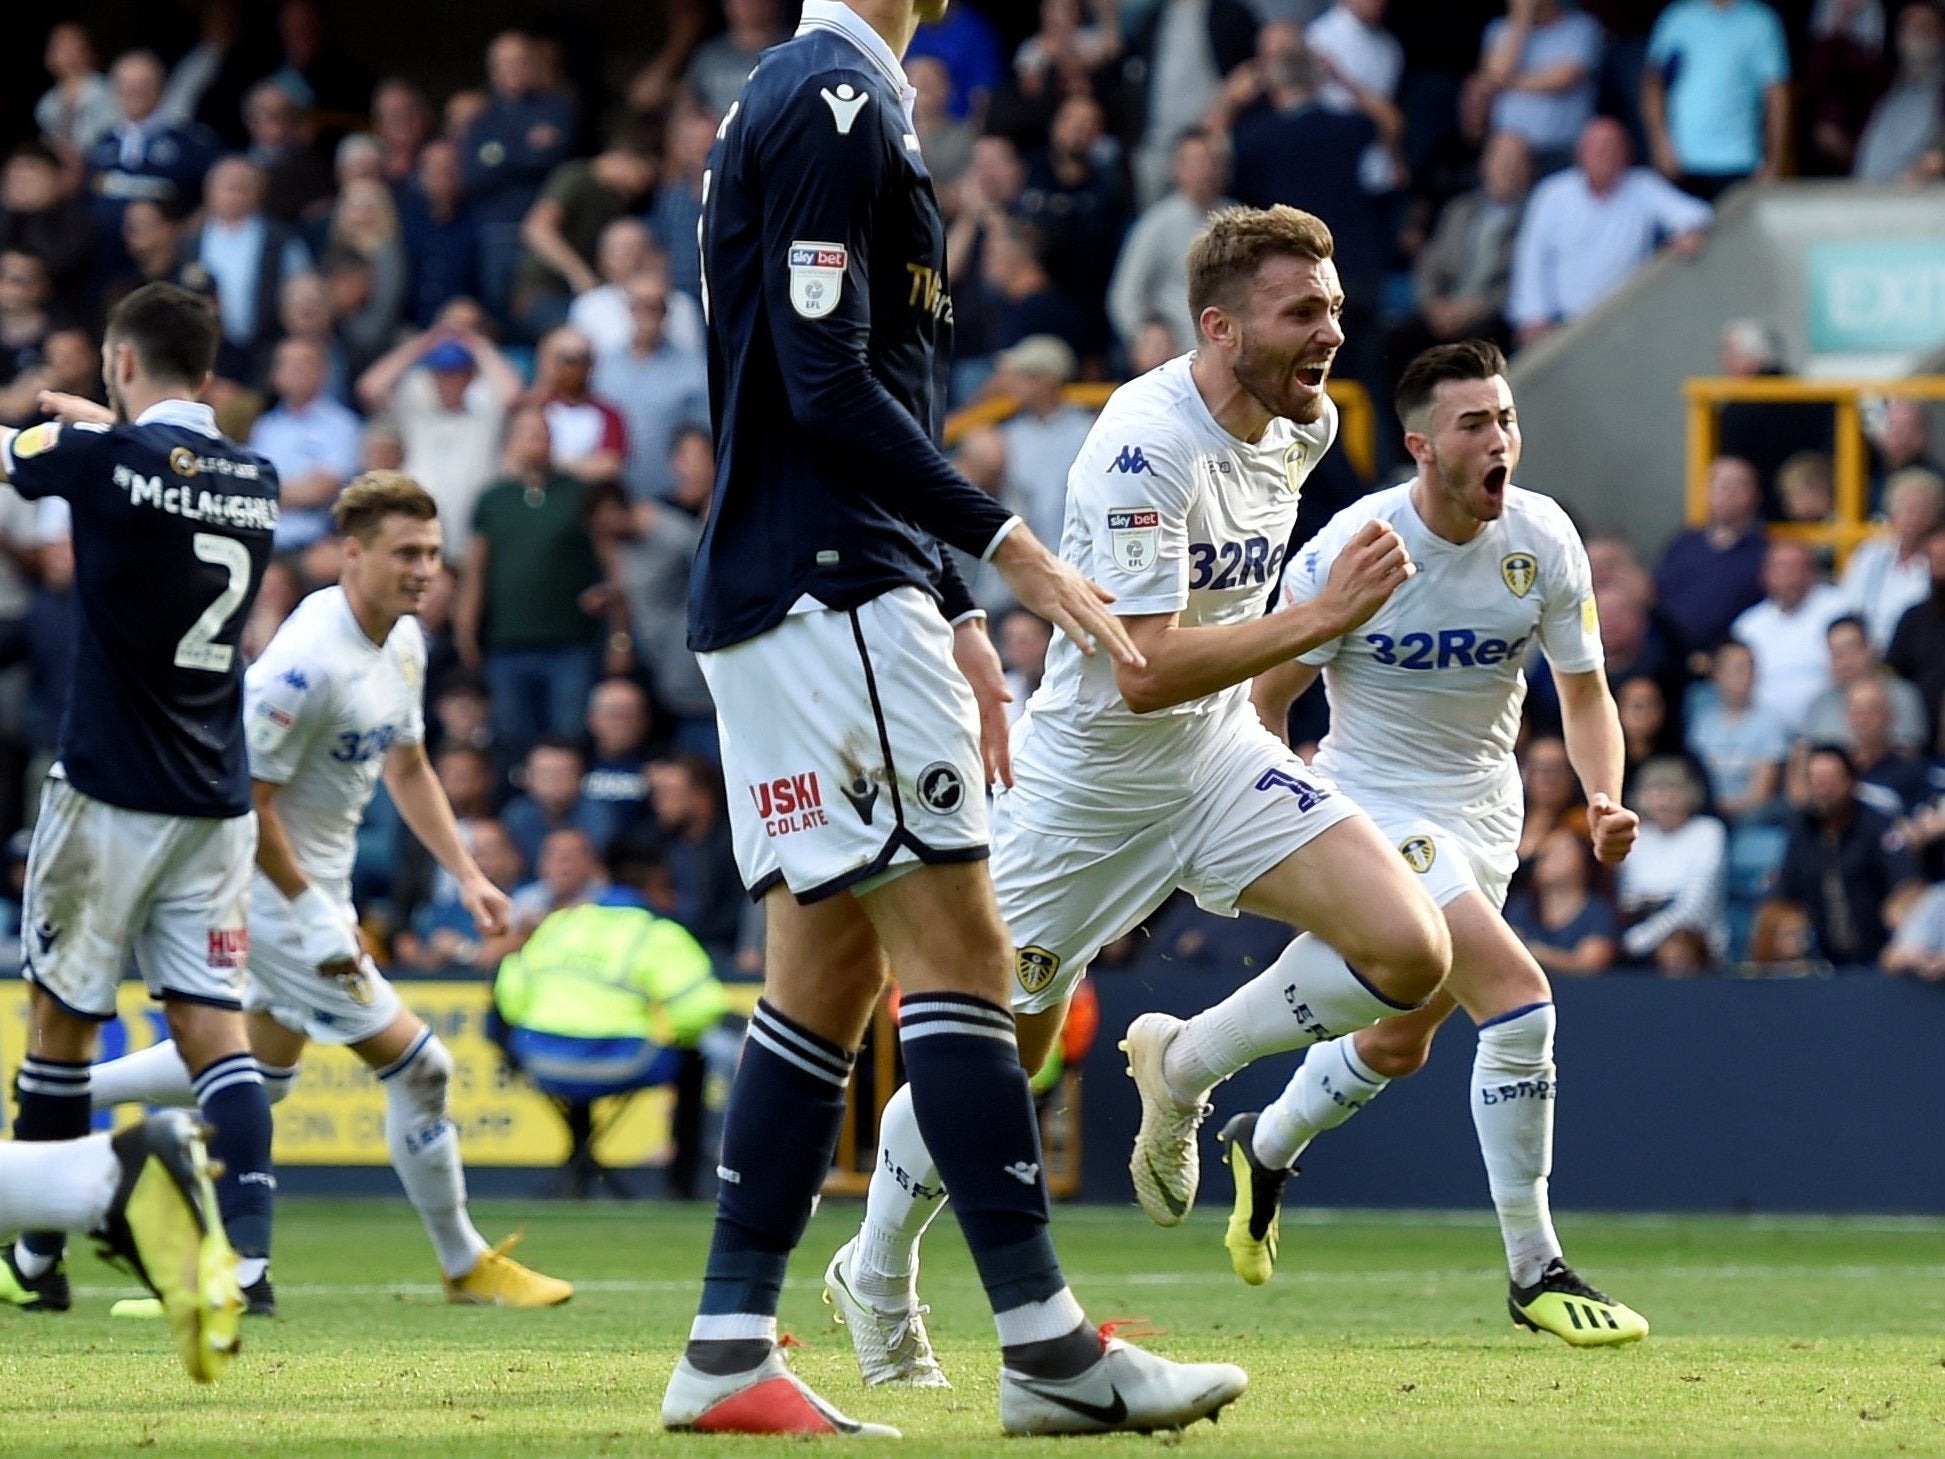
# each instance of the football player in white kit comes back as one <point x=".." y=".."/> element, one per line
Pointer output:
<point x="335" y="702"/>
<point x="1129" y="783"/>
<point x="1425" y="704"/>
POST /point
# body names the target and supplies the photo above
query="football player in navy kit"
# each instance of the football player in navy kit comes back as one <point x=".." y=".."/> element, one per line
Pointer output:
<point x="861" y="709"/>
<point x="146" y="837"/>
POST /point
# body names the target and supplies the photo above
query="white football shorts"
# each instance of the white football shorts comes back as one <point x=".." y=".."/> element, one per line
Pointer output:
<point x="1453" y="855"/>
<point x="296" y="994"/>
<point x="850" y="747"/>
<point x="1065" y="897"/>
<point x="106" y="885"/>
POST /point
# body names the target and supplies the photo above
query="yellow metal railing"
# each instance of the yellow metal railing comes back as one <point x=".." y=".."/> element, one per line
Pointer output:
<point x="1850" y="521"/>
<point x="1357" y="421"/>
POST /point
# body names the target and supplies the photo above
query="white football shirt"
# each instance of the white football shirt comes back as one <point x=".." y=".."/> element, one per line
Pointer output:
<point x="1172" y="514"/>
<point x="1425" y="697"/>
<point x="321" y="707"/>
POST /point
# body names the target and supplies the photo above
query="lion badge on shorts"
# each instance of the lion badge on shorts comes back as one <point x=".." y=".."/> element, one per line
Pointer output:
<point x="1035" y="968"/>
<point x="941" y="787"/>
<point x="1521" y="570"/>
<point x="1419" y="853"/>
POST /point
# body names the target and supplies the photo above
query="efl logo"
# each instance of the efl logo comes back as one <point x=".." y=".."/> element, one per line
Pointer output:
<point x="816" y="256"/>
<point x="229" y="947"/>
<point x="789" y="804"/>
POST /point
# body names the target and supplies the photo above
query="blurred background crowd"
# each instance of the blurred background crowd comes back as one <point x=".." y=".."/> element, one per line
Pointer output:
<point x="492" y="281"/>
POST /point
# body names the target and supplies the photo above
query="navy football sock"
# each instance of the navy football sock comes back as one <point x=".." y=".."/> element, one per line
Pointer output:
<point x="230" y="1094"/>
<point x="778" y="1136"/>
<point x="54" y="1105"/>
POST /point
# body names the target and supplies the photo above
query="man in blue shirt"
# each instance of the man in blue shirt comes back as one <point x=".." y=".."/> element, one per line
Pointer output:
<point x="172" y="525"/>
<point x="1715" y="94"/>
<point x="525" y="132"/>
<point x="861" y="707"/>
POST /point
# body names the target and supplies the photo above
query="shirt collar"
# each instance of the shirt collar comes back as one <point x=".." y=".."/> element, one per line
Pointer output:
<point x="833" y="15"/>
<point x="191" y="415"/>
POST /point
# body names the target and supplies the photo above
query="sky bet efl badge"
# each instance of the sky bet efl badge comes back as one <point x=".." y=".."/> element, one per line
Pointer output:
<point x="1133" y="536"/>
<point x="816" y="277"/>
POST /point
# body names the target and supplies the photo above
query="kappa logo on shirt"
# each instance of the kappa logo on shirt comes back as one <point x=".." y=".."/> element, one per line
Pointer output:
<point x="1131" y="461"/>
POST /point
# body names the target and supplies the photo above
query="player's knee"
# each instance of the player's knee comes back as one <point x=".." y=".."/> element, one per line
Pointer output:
<point x="1519" y="1043"/>
<point x="1410" y="958"/>
<point x="277" y="1081"/>
<point x="426" y="1078"/>
<point x="1393" y="1051"/>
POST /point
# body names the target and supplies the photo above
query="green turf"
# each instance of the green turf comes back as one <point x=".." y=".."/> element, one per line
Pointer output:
<point x="1383" y="1335"/>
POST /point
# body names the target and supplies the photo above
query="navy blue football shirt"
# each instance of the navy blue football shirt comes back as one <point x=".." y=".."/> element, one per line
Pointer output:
<point x="172" y="526"/>
<point x="830" y="335"/>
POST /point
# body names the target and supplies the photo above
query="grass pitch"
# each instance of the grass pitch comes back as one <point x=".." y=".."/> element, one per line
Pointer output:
<point x="1382" y="1335"/>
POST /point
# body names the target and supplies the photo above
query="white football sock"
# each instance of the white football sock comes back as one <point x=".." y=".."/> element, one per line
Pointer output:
<point x="905" y="1196"/>
<point x="155" y="1075"/>
<point x="56" y="1185"/>
<point x="1307" y="995"/>
<point x="1330" y="1086"/>
<point x="1513" y="1092"/>
<point x="425" y="1151"/>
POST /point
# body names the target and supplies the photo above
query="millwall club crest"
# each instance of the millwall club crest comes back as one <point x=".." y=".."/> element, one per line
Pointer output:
<point x="1521" y="570"/>
<point x="1035" y="968"/>
<point x="1419" y="853"/>
<point x="1293" y="455"/>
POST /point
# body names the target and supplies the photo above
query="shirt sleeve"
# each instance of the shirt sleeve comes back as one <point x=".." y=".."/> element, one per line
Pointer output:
<point x="1570" y="626"/>
<point x="286" y="702"/>
<point x="1772" y="58"/>
<point x="1129" y="493"/>
<point x="48" y="459"/>
<point x="823" y="167"/>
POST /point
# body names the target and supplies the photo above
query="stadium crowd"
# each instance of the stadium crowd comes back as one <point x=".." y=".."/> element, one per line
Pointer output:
<point x="498" y="291"/>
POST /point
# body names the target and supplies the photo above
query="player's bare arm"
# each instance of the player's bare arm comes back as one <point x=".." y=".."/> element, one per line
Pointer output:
<point x="979" y="661"/>
<point x="1594" y="745"/>
<point x="1185" y="663"/>
<point x="1273" y="691"/>
<point x="1075" y="605"/>
<point x="329" y="943"/>
<point x="421" y="801"/>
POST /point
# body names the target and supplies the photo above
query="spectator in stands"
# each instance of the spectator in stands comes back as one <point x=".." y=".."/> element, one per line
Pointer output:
<point x="146" y="155"/>
<point x="1890" y="778"/>
<point x="314" y="69"/>
<point x="1649" y="731"/>
<point x="1174" y="61"/>
<point x="1889" y="572"/>
<point x="526" y="615"/>
<point x="1075" y="200"/>
<point x="364" y="226"/>
<point x="1023" y="640"/>
<point x="1901" y="438"/>
<point x="1553" y="799"/>
<point x="614" y="789"/>
<point x="1918" y="946"/>
<point x="152" y="244"/>
<point x="707" y="895"/>
<point x="1709" y="575"/>
<point x="1786" y="631"/>
<point x="304" y="311"/>
<point x="401" y="120"/>
<point x="1673" y="880"/>
<point x="968" y="45"/>
<point x="1853" y="660"/>
<point x="70" y="365"/>
<point x="677" y="207"/>
<point x="568" y="873"/>
<point x="1766" y="433"/>
<point x="80" y="107"/>
<point x="657" y="386"/>
<point x="1045" y="435"/>
<point x="1587" y="230"/>
<point x="589" y="435"/>
<point x="39" y="214"/>
<point x="1361" y="65"/>
<point x="1783" y="942"/>
<point x="1149" y="281"/>
<point x="980" y="457"/>
<point x="944" y="140"/>
<point x="1917" y="650"/>
<point x="1741" y="744"/>
<point x="563" y="227"/>
<point x="248" y="254"/>
<point x="1463" y="274"/>
<point x="1715" y="97"/>
<point x="471" y="782"/>
<point x="1538" y="76"/>
<point x="449" y="390"/>
<point x="1567" y="923"/>
<point x="525" y="132"/>
<point x="550" y="799"/>
<point x="441" y="237"/>
<point x="994" y="180"/>
<point x="24" y="320"/>
<point x="654" y="547"/>
<point x="295" y="178"/>
<point x="1806" y="491"/>
<point x="310" y="438"/>
<point x="1845" y="70"/>
<point x="625" y="250"/>
<point x="719" y="66"/>
<point x="1025" y="300"/>
<point x="1155" y="344"/>
<point x="1904" y="124"/>
<point x="1843" y="863"/>
<point x="442" y="933"/>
